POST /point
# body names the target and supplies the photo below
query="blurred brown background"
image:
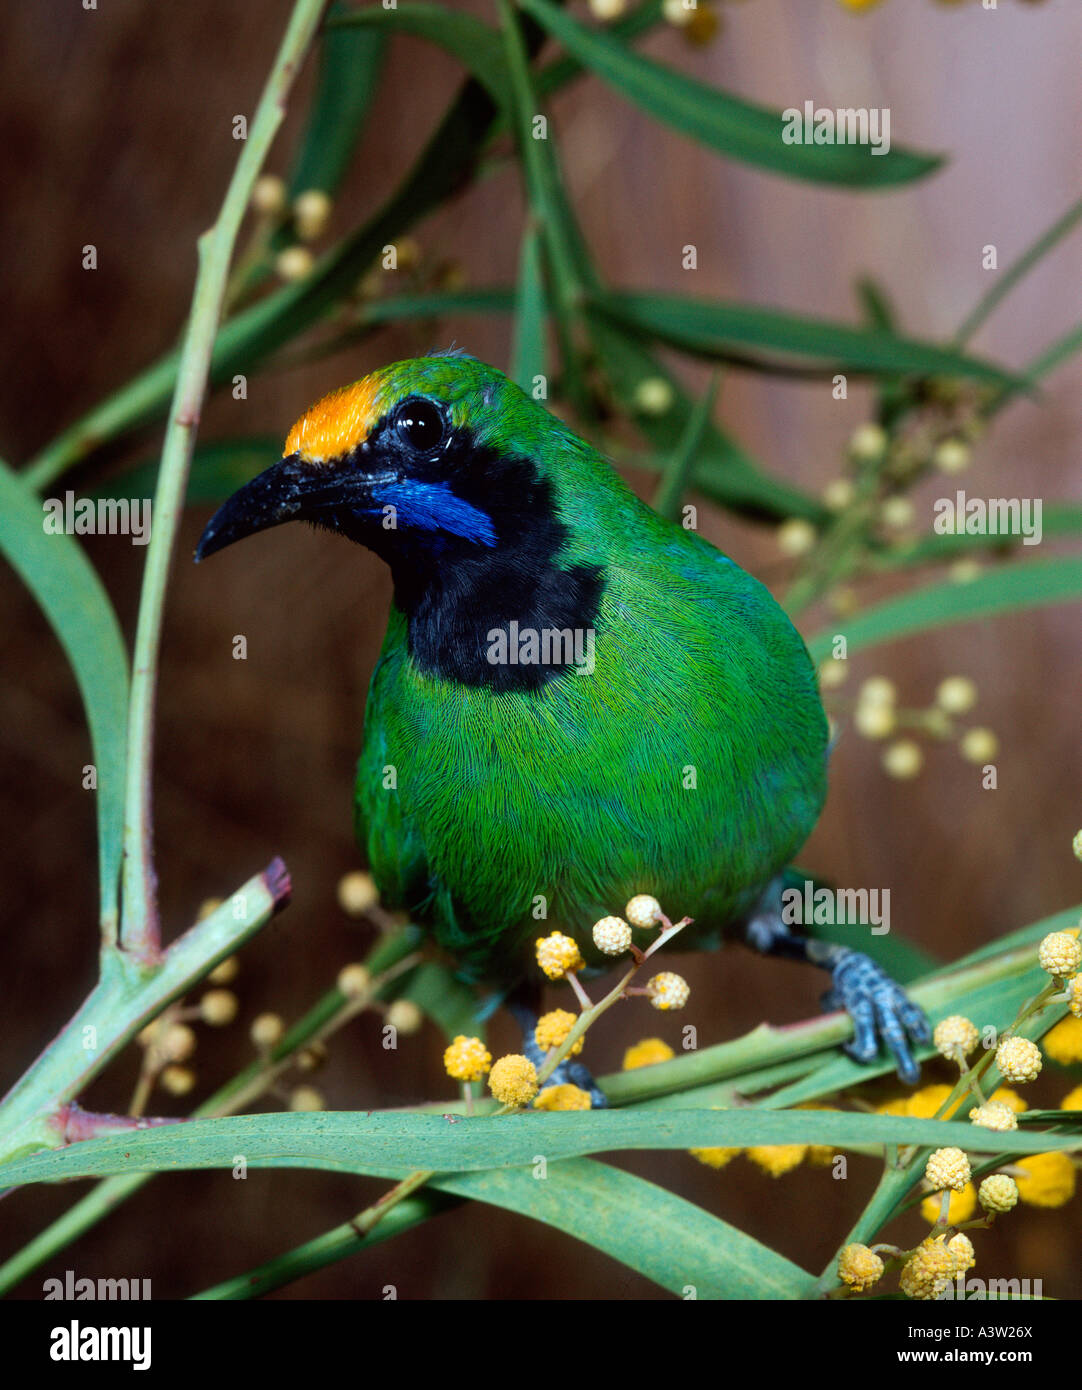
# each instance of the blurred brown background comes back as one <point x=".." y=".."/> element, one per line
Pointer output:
<point x="118" y="133"/>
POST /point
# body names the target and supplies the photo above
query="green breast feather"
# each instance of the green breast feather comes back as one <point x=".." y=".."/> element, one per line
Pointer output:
<point x="690" y="763"/>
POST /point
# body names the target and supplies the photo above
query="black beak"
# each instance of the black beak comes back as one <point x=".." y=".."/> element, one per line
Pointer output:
<point x="291" y="490"/>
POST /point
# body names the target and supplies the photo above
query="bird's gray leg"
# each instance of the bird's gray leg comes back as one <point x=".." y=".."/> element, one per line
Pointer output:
<point x="879" y="1008"/>
<point x="524" y="1004"/>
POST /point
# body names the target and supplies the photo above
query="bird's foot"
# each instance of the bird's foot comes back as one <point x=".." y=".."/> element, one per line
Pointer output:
<point x="880" y="1009"/>
<point x="568" y="1073"/>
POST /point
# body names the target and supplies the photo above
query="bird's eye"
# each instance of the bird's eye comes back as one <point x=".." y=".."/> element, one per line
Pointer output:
<point x="420" y="424"/>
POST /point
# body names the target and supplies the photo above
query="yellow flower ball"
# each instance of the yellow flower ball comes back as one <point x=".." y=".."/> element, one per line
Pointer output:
<point x="951" y="456"/>
<point x="269" y="195"/>
<point x="874" y="721"/>
<point x="1047" y="1180"/>
<point x="994" y="1115"/>
<point x="646" y="1054"/>
<point x="466" y="1059"/>
<point x="929" y="1269"/>
<point x="925" y="1103"/>
<point x="796" y="536"/>
<point x="1072" y="1100"/>
<point x="405" y="1017"/>
<point x="961" y="1247"/>
<point x="612" y="935"/>
<point x="903" y="759"/>
<point x="833" y="674"/>
<point x="838" y="494"/>
<point x="305" y="1098"/>
<point x="266" y="1030"/>
<point x="955" y="1035"/>
<point x="877" y="690"/>
<point x="311" y="212"/>
<point x="513" y="1080"/>
<point x="178" y="1081"/>
<point x="1060" y="954"/>
<point x="868" y="443"/>
<point x="1074" y="993"/>
<point x="979" y="745"/>
<point x="357" y="891"/>
<point x="552" y="1028"/>
<point x="947" y="1168"/>
<point x="859" y="1268"/>
<point x="777" y="1159"/>
<point x="998" y="1192"/>
<point x="292" y="264"/>
<point x="643" y="911"/>
<point x="668" y="990"/>
<point x="1019" y="1060"/>
<point x="354" y="980"/>
<point x="557" y="954"/>
<point x="1063" y="1041"/>
<point x="714" y="1158"/>
<point x="564" y="1097"/>
<point x="956" y="694"/>
<point x="218" y="1007"/>
<point x="654" y="395"/>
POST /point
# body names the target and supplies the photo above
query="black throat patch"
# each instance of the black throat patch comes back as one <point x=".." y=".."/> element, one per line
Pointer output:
<point x="504" y="617"/>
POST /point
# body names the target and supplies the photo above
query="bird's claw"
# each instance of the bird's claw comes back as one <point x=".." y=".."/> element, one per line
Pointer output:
<point x="879" y="1008"/>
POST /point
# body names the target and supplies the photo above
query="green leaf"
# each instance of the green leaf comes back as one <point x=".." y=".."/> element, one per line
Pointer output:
<point x="674" y="477"/>
<point x="72" y="597"/>
<point x="392" y="1144"/>
<point x="1006" y="589"/>
<point x="662" y="1236"/>
<point x="476" y="45"/>
<point x="350" y="61"/>
<point x="727" y="124"/>
<point x="528" y="344"/>
<point x="1006" y="280"/>
<point x="722" y="329"/>
<point x="659" y="1235"/>
<point x="1057" y="519"/>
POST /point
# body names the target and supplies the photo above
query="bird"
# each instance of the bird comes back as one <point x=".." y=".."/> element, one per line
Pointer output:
<point x="577" y="700"/>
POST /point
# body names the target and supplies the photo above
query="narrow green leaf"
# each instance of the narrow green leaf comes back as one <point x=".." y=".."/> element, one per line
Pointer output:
<point x="350" y="61"/>
<point x="661" y="1236"/>
<point x="674" y="477"/>
<point x="1057" y="519"/>
<point x="476" y="45"/>
<point x="1006" y="280"/>
<point x="1006" y="589"/>
<point x="721" y="329"/>
<point x="72" y="597"/>
<point x="392" y="1144"/>
<point x="528" y="344"/>
<point x="727" y="124"/>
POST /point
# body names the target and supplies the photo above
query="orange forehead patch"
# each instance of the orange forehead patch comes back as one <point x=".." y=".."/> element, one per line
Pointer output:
<point x="337" y="423"/>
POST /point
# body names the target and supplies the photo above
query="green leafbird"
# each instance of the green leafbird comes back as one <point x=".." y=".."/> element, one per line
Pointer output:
<point x="576" y="701"/>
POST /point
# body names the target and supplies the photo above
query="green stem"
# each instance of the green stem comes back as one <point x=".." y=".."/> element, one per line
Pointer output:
<point x="140" y="929"/>
<point x="383" y="962"/>
<point x="128" y="995"/>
